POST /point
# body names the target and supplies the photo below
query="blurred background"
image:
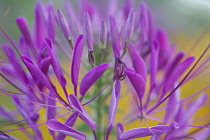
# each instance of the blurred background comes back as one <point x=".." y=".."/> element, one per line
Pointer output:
<point x="176" y="16"/>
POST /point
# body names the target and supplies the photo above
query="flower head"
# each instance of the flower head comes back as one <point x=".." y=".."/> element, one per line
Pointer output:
<point x="127" y="58"/>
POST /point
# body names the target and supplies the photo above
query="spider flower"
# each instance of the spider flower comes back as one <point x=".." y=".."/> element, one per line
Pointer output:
<point x="128" y="72"/>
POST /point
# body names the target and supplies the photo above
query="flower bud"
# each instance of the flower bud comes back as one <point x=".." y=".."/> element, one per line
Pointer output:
<point x="63" y="24"/>
<point x="88" y="31"/>
<point x="103" y="35"/>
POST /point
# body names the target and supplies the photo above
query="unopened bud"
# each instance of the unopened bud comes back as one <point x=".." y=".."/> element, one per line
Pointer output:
<point x="63" y="24"/>
<point x="103" y="35"/>
<point x="88" y="31"/>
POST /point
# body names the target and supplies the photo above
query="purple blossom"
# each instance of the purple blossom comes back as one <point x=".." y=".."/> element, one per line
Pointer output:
<point x="129" y="71"/>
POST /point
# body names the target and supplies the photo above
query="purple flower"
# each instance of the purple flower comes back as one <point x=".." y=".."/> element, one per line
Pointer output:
<point x="133" y="73"/>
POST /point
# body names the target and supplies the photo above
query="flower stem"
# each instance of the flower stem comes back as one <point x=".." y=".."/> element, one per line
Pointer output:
<point x="99" y="109"/>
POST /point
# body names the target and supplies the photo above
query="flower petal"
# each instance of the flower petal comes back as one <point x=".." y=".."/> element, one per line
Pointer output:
<point x="91" y="77"/>
<point x="114" y="102"/>
<point x="15" y="62"/>
<point x="115" y="37"/>
<point x="64" y="129"/>
<point x="137" y="82"/>
<point x="138" y="62"/>
<point x="23" y="26"/>
<point x="76" y="59"/>
<point x="44" y="65"/>
<point x="39" y="23"/>
<point x="177" y="73"/>
<point x="120" y="130"/>
<point x="171" y="66"/>
<point x="36" y="72"/>
<point x="129" y="26"/>
<point x="83" y="113"/>
<point x="143" y="132"/>
<point x="55" y="64"/>
<point x="144" y="22"/>
<point x="69" y="122"/>
<point x="51" y="28"/>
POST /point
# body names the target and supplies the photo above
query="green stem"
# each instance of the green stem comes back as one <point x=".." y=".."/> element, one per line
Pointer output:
<point x="99" y="109"/>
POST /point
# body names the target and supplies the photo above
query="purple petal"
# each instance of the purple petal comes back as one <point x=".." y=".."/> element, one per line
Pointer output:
<point x="51" y="23"/>
<point x="103" y="34"/>
<point x="115" y="37"/>
<point x="15" y="62"/>
<point x="69" y="122"/>
<point x="120" y="130"/>
<point x="138" y="62"/>
<point x="36" y="72"/>
<point x="143" y="132"/>
<point x="114" y="102"/>
<point x="144" y="22"/>
<point x="129" y="26"/>
<point x="83" y="114"/>
<point x="23" y="46"/>
<point x="91" y="77"/>
<point x="44" y="65"/>
<point x="88" y="31"/>
<point x="23" y="26"/>
<point x="171" y="66"/>
<point x="162" y="38"/>
<point x="164" y="52"/>
<point x="64" y="129"/>
<point x="63" y="24"/>
<point x="55" y="64"/>
<point x="177" y="73"/>
<point x="76" y="59"/>
<point x="151" y="27"/>
<point x="154" y="63"/>
<point x="127" y="7"/>
<point x="137" y="82"/>
<point x="39" y="24"/>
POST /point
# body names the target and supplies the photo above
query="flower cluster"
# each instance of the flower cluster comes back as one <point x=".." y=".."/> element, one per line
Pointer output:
<point x="125" y="50"/>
